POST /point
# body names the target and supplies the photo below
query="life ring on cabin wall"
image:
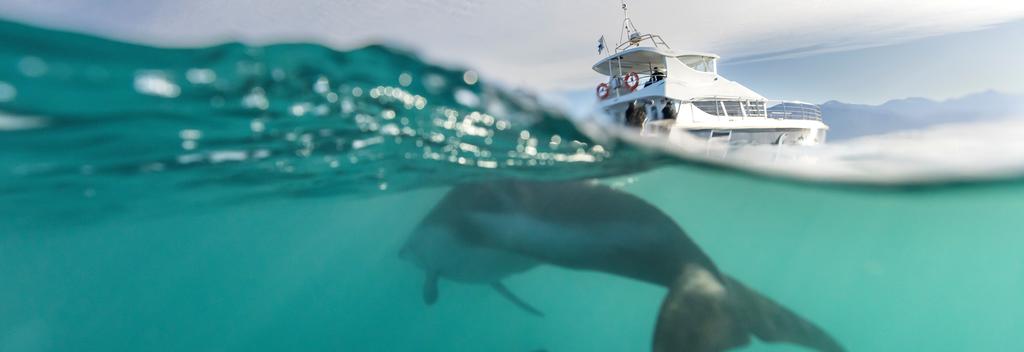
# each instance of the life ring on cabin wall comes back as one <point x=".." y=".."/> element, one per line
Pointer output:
<point x="632" y="81"/>
<point x="603" y="90"/>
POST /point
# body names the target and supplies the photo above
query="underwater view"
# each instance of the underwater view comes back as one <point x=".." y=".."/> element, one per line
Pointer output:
<point x="241" y="197"/>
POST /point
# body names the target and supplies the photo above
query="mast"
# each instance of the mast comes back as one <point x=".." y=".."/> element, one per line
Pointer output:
<point x="629" y="31"/>
<point x="631" y="37"/>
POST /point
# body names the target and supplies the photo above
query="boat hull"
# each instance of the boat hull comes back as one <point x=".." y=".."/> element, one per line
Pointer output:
<point x="673" y="118"/>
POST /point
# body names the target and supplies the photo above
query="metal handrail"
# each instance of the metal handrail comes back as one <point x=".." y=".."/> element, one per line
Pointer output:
<point x="750" y="108"/>
<point x="654" y="38"/>
<point x="792" y="110"/>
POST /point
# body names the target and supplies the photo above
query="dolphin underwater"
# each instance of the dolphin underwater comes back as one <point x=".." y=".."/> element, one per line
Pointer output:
<point x="507" y="227"/>
<point x="433" y="247"/>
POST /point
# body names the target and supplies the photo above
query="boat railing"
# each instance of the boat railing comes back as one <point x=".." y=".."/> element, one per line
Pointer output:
<point x="635" y="39"/>
<point x="618" y="87"/>
<point x="758" y="109"/>
<point x="792" y="110"/>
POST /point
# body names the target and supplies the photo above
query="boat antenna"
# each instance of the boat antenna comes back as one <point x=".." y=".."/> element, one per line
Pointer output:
<point x="628" y="28"/>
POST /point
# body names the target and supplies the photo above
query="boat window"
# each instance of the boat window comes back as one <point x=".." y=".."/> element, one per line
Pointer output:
<point x="754" y="108"/>
<point x="711" y="107"/>
<point x="732" y="108"/>
<point x="699" y="63"/>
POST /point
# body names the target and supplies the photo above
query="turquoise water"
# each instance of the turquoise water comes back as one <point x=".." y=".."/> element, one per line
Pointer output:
<point x="255" y="198"/>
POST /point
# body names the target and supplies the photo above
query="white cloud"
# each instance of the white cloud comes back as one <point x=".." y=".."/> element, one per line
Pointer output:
<point x="542" y="44"/>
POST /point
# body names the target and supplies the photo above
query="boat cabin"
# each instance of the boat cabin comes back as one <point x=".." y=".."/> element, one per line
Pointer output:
<point x="640" y="67"/>
<point x="646" y="59"/>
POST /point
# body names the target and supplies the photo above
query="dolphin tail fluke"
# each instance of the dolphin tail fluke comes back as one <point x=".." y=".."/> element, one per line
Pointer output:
<point x="703" y="314"/>
<point x="695" y="316"/>
<point x="771" y="322"/>
<point x="504" y="291"/>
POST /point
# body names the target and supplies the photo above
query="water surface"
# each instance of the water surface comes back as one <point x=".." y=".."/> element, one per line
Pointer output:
<point x="254" y="198"/>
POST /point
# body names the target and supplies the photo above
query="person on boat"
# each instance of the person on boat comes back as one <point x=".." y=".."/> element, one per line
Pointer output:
<point x="656" y="75"/>
<point x="616" y="85"/>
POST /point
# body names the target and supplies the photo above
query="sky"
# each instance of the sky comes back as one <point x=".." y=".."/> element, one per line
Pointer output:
<point x="864" y="51"/>
<point x="941" y="67"/>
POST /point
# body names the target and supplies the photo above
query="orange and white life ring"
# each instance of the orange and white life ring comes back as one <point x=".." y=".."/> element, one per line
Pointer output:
<point x="603" y="90"/>
<point x="632" y="81"/>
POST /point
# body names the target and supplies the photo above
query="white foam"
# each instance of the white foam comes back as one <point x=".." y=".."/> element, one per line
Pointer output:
<point x="10" y="122"/>
<point x="945" y="153"/>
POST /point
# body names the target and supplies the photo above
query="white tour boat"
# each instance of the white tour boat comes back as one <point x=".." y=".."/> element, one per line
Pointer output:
<point x="673" y="93"/>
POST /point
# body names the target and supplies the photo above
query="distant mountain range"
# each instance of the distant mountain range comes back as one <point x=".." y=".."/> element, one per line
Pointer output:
<point x="853" y="120"/>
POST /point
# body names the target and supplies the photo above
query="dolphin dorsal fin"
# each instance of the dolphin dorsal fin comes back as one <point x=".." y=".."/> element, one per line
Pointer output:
<point x="515" y="299"/>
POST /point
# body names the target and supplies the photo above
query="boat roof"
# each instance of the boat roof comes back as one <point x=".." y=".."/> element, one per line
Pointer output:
<point x="643" y="58"/>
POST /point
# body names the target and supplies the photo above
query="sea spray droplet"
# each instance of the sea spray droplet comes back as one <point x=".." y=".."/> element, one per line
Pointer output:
<point x="157" y="84"/>
<point x="221" y="156"/>
<point x="470" y="77"/>
<point x="32" y="66"/>
<point x="200" y="75"/>
<point x="405" y="79"/>
<point x="257" y="126"/>
<point x="322" y="85"/>
<point x="190" y="134"/>
<point x="299" y="109"/>
<point x="17" y="123"/>
<point x="256" y="99"/>
<point x="467" y="98"/>
<point x="434" y="82"/>
<point x="7" y="92"/>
